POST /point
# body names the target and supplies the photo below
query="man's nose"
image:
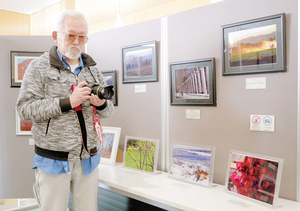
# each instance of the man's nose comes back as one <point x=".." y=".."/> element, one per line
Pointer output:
<point x="76" y="41"/>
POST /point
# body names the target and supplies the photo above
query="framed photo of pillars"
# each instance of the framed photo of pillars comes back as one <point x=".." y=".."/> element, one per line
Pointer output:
<point x="193" y="83"/>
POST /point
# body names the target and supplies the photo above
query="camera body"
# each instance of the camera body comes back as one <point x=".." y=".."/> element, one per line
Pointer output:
<point x="103" y="92"/>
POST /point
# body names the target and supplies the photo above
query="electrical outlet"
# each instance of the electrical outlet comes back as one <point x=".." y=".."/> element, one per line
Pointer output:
<point x="31" y="141"/>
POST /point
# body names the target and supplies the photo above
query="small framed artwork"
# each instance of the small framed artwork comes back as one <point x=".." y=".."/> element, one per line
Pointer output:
<point x="139" y="63"/>
<point x="192" y="163"/>
<point x="254" y="46"/>
<point x="110" y="143"/>
<point x="22" y="127"/>
<point x="111" y="79"/>
<point x="19" y="61"/>
<point x="193" y="82"/>
<point x="141" y="154"/>
<point x="254" y="177"/>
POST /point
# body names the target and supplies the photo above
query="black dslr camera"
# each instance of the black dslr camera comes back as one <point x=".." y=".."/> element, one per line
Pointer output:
<point x="103" y="92"/>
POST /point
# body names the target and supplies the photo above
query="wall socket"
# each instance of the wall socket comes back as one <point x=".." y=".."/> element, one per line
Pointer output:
<point x="31" y="141"/>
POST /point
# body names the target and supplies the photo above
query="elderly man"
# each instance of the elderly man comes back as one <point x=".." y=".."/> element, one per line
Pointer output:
<point x="56" y="95"/>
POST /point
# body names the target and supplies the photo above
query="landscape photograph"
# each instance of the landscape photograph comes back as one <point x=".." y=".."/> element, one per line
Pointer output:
<point x="140" y="154"/>
<point x="191" y="163"/>
<point x="255" y="46"/>
<point x="107" y="145"/>
<point x="139" y="63"/>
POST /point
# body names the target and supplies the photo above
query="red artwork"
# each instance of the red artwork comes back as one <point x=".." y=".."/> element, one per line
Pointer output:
<point x="25" y="126"/>
<point x="253" y="177"/>
<point x="22" y="66"/>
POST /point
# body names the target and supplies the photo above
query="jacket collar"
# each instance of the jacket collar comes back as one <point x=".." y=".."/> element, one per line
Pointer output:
<point x="56" y="62"/>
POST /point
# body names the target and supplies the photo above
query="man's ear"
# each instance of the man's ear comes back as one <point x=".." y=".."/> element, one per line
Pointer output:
<point x="54" y="36"/>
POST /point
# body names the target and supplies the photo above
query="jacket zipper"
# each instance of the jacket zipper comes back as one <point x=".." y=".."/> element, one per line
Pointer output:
<point x="47" y="127"/>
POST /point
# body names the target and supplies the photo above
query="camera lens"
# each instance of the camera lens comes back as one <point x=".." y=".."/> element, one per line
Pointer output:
<point x="105" y="92"/>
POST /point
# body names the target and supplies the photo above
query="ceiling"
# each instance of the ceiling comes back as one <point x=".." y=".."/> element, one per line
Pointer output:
<point x="26" y="6"/>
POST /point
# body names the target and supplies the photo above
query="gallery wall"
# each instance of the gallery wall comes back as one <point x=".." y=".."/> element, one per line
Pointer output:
<point x="138" y="114"/>
<point x="16" y="160"/>
<point x="196" y="34"/>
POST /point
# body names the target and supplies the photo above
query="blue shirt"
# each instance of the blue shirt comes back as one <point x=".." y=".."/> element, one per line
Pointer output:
<point x="52" y="166"/>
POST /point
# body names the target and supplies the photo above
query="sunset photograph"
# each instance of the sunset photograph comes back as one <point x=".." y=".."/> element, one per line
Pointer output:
<point x="256" y="46"/>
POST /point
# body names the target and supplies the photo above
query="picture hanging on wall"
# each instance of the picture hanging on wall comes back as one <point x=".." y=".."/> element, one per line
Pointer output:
<point x="22" y="127"/>
<point x="19" y="61"/>
<point x="254" y="177"/>
<point x="141" y="154"/>
<point x="254" y="46"/>
<point x="111" y="79"/>
<point x="192" y="163"/>
<point x="193" y="82"/>
<point x="110" y="143"/>
<point x="139" y="63"/>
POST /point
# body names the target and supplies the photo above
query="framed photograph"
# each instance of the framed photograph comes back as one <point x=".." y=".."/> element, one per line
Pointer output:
<point x="111" y="79"/>
<point x="111" y="138"/>
<point x="139" y="63"/>
<point x="141" y="154"/>
<point x="193" y="82"/>
<point x="192" y="163"/>
<point x="254" y="177"/>
<point x="22" y="128"/>
<point x="254" y="46"/>
<point x="19" y="61"/>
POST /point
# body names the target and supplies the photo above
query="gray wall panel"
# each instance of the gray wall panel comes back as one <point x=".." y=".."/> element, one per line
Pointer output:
<point x="16" y="160"/>
<point x="138" y="114"/>
<point x="196" y="34"/>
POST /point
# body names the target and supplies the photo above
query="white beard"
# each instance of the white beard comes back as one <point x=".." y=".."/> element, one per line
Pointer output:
<point x="73" y="54"/>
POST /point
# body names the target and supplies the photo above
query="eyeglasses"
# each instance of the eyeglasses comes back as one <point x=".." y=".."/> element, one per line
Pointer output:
<point x="72" y="37"/>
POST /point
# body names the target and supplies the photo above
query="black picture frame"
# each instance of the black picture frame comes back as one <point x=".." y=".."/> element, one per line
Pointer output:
<point x="19" y="61"/>
<point x="193" y="83"/>
<point x="111" y="79"/>
<point x="139" y="63"/>
<point x="254" y="46"/>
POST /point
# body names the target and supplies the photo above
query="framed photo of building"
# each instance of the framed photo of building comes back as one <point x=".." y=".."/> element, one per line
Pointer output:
<point x="254" y="46"/>
<point x="111" y="79"/>
<point x="193" y="83"/>
<point x="22" y="127"/>
<point x="141" y="154"/>
<point x="254" y="177"/>
<point x="19" y="61"/>
<point x="139" y="63"/>
<point x="192" y="163"/>
<point x="110" y="143"/>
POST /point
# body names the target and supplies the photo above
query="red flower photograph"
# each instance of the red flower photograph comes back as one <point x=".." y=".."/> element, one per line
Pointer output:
<point x="253" y="177"/>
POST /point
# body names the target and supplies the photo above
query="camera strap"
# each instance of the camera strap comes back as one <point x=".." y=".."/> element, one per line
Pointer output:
<point x="97" y="125"/>
<point x="96" y="120"/>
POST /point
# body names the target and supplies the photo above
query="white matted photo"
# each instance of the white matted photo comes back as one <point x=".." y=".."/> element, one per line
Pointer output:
<point x="110" y="143"/>
<point x="22" y="127"/>
<point x="192" y="163"/>
<point x="141" y="154"/>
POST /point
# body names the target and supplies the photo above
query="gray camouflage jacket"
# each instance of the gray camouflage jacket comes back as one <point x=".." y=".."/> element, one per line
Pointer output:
<point x="44" y="99"/>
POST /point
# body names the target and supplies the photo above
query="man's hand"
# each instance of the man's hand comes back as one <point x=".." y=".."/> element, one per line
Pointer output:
<point x="95" y="100"/>
<point x="80" y="94"/>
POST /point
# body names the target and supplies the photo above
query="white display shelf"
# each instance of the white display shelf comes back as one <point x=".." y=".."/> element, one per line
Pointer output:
<point x="161" y="191"/>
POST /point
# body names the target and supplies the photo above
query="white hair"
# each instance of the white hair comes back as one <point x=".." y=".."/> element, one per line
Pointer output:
<point x="59" y="25"/>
